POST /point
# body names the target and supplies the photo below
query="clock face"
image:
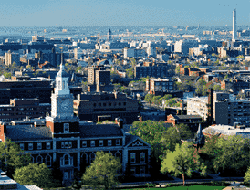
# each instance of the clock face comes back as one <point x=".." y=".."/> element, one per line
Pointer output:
<point x="65" y="105"/>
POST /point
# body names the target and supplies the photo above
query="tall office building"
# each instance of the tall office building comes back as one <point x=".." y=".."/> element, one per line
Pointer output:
<point x="234" y="25"/>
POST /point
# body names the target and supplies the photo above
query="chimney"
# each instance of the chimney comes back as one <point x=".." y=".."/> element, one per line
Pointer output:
<point x="119" y="122"/>
<point x="2" y="131"/>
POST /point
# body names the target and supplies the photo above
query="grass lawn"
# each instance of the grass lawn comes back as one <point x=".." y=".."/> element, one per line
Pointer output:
<point x="191" y="187"/>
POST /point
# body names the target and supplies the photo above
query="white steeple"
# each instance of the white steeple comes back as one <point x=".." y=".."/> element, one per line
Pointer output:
<point x="62" y="81"/>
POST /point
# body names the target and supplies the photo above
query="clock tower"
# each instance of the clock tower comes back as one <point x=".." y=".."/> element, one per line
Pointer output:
<point x="62" y="122"/>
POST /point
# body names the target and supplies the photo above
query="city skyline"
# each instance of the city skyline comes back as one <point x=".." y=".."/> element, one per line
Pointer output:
<point x="122" y="13"/>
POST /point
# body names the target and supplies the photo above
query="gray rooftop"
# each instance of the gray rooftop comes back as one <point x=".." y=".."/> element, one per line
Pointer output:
<point x="100" y="130"/>
<point x="27" y="133"/>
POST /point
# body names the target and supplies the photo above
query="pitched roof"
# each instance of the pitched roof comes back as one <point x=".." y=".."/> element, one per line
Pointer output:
<point x="99" y="130"/>
<point x="22" y="133"/>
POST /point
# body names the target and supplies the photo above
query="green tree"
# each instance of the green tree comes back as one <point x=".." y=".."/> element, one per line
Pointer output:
<point x="14" y="157"/>
<point x="103" y="171"/>
<point x="181" y="161"/>
<point x="34" y="174"/>
<point x="170" y="138"/>
<point x="247" y="176"/>
<point x="130" y="72"/>
<point x="7" y="75"/>
<point x="151" y="132"/>
<point x="233" y="155"/>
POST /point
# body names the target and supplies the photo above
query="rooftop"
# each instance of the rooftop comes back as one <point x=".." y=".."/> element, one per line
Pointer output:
<point x="100" y="130"/>
<point x="226" y="130"/>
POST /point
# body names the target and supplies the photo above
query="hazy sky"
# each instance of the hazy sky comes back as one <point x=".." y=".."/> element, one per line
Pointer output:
<point x="123" y="12"/>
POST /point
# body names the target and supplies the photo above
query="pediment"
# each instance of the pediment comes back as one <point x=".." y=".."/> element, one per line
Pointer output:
<point x="137" y="143"/>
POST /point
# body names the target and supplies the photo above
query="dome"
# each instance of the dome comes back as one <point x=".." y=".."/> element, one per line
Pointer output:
<point x="62" y="73"/>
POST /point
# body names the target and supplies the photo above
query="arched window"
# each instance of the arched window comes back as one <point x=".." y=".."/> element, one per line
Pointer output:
<point x="91" y="157"/>
<point x="48" y="160"/>
<point x="118" y="155"/>
<point x="66" y="159"/>
<point x="63" y="86"/>
<point x="85" y="157"/>
<point x="32" y="159"/>
<point x="39" y="159"/>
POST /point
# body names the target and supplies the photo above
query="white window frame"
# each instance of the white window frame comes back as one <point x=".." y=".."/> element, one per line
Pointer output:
<point x="142" y="168"/>
<point x="40" y="157"/>
<point x="109" y="142"/>
<point x="70" y="144"/>
<point x="48" y="145"/>
<point x="92" y="143"/>
<point x="66" y="127"/>
<point x="132" y="170"/>
<point x="132" y="156"/>
<point x="142" y="157"/>
<point x="100" y="142"/>
<point x="46" y="160"/>
<point x="118" y="142"/>
<point x="84" y="144"/>
<point x="30" y="146"/>
<point x="62" y="144"/>
<point x="66" y="144"/>
<point x="90" y="158"/>
<point x="39" y="146"/>
<point x="21" y="146"/>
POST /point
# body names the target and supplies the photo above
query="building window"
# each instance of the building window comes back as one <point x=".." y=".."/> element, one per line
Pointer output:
<point x="99" y="104"/>
<point x="22" y="146"/>
<point x="124" y="103"/>
<point x="92" y="143"/>
<point x="101" y="143"/>
<point x="132" y="170"/>
<point x="92" y="157"/>
<point x="62" y="144"/>
<point x="48" y="160"/>
<point x="109" y="142"/>
<point x="142" y="169"/>
<point x="142" y="157"/>
<point x="119" y="103"/>
<point x="94" y="104"/>
<point x="118" y="155"/>
<point x="48" y="145"/>
<point x="104" y="104"/>
<point x="66" y="160"/>
<point x="117" y="142"/>
<point x="66" y="127"/>
<point x="39" y="159"/>
<point x="30" y="146"/>
<point x="115" y="104"/>
<point x="132" y="157"/>
<point x="109" y="104"/>
<point x="66" y="175"/>
<point x="39" y="146"/>
<point x="84" y="143"/>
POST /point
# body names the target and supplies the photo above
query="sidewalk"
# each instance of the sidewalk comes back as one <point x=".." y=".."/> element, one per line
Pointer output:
<point x="178" y="181"/>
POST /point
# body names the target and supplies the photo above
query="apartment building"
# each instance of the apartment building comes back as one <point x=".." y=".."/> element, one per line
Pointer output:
<point x="20" y="109"/>
<point x="228" y="110"/>
<point x="198" y="106"/>
<point x="159" y="84"/>
<point x="11" y="58"/>
<point x="225" y="109"/>
<point x="151" y="71"/>
<point x="90" y="106"/>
